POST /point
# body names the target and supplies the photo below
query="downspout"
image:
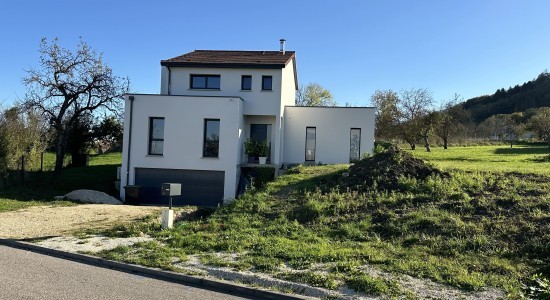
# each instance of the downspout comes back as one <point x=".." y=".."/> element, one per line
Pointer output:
<point x="131" y="98"/>
<point x="169" y="80"/>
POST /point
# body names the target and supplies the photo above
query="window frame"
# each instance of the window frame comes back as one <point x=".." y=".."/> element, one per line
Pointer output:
<point x="264" y="77"/>
<point x="358" y="146"/>
<point x="314" y="144"/>
<point x="206" y="76"/>
<point x="242" y="82"/>
<point x="204" y="140"/>
<point x="152" y="139"/>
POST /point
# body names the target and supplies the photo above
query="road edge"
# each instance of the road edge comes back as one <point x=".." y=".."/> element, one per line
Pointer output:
<point x="212" y="284"/>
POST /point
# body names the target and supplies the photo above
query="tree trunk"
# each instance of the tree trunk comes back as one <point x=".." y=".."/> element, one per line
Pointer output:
<point x="445" y="143"/>
<point x="427" y="144"/>
<point x="60" y="149"/>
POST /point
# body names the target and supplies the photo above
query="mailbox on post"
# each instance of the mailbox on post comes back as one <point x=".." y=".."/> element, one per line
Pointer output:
<point x="170" y="190"/>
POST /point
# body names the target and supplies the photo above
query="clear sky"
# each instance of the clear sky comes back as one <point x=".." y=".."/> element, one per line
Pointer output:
<point x="469" y="47"/>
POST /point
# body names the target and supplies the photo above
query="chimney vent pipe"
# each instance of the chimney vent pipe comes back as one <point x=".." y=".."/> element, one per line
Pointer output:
<point x="282" y="46"/>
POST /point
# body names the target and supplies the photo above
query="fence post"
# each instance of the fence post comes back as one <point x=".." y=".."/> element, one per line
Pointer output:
<point x="41" y="162"/>
<point x="22" y="168"/>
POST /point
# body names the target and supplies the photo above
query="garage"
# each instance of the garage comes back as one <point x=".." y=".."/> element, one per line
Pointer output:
<point x="198" y="187"/>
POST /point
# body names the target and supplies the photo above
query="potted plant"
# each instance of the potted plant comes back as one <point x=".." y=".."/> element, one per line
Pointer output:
<point x="250" y="150"/>
<point x="262" y="150"/>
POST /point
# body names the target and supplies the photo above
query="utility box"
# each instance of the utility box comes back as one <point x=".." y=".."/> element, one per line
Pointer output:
<point x="170" y="189"/>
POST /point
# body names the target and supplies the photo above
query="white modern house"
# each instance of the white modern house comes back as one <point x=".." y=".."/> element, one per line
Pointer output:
<point x="210" y="103"/>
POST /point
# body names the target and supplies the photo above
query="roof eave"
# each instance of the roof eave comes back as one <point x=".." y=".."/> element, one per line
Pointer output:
<point x="221" y="65"/>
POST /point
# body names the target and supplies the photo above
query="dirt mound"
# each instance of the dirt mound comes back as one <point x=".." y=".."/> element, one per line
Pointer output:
<point x="384" y="170"/>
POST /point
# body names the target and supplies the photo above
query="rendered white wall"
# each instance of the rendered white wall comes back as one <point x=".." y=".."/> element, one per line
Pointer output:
<point x="333" y="126"/>
<point x="257" y="102"/>
<point x="183" y="135"/>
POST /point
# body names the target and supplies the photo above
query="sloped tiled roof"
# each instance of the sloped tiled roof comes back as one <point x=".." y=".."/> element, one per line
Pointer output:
<point x="231" y="59"/>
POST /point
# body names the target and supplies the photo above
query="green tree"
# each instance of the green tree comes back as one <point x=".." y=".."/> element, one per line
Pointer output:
<point x="386" y="114"/>
<point x="69" y="84"/>
<point x="23" y="134"/>
<point x="108" y="133"/>
<point x="313" y="94"/>
<point x="540" y="123"/>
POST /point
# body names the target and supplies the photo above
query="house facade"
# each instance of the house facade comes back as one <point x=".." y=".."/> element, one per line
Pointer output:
<point x="210" y="103"/>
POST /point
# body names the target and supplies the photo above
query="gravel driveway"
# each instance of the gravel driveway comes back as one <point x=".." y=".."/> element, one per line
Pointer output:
<point x="43" y="221"/>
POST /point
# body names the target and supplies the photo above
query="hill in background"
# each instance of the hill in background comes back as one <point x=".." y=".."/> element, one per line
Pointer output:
<point x="532" y="94"/>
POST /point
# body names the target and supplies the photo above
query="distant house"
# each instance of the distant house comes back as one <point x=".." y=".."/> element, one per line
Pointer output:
<point x="210" y="103"/>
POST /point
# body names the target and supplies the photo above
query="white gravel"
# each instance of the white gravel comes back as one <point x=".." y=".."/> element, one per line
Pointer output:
<point x="89" y="244"/>
<point x="91" y="196"/>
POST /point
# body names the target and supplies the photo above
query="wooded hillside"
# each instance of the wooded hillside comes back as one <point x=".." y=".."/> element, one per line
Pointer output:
<point x="532" y="94"/>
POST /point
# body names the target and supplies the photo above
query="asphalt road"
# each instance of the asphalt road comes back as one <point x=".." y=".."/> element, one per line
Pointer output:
<point x="29" y="275"/>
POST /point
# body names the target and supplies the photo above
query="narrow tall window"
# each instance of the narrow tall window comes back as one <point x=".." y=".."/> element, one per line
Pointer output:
<point x="355" y="144"/>
<point x="310" y="143"/>
<point x="267" y="83"/>
<point x="246" y="82"/>
<point x="156" y="136"/>
<point x="211" y="138"/>
<point x="205" y="82"/>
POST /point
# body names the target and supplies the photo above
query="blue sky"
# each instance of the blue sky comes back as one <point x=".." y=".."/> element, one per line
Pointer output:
<point x="469" y="47"/>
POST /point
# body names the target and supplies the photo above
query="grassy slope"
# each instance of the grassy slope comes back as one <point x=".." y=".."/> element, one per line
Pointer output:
<point x="470" y="231"/>
<point x="39" y="189"/>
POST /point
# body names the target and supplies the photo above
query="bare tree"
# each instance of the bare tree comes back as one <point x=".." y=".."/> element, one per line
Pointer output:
<point x="414" y="106"/>
<point x="313" y="94"/>
<point x="69" y="84"/>
<point x="450" y="120"/>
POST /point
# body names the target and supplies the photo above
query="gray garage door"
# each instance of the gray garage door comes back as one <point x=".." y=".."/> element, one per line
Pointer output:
<point x="203" y="188"/>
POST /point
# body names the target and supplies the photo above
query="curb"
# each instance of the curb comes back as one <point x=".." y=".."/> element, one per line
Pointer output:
<point x="212" y="284"/>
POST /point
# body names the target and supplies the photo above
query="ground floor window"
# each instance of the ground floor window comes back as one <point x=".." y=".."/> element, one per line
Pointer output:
<point x="310" y="143"/>
<point x="355" y="145"/>
<point x="211" y="138"/>
<point x="156" y="136"/>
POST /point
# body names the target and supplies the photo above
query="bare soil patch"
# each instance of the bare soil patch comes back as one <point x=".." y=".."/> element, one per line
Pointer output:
<point x="45" y="221"/>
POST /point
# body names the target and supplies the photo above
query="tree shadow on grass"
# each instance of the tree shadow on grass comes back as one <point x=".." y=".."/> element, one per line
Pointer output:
<point x="523" y="150"/>
<point x="43" y="186"/>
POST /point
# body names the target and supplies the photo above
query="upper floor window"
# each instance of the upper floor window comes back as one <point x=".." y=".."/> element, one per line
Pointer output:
<point x="205" y="81"/>
<point x="156" y="136"/>
<point x="267" y="83"/>
<point x="246" y="82"/>
<point x="211" y="146"/>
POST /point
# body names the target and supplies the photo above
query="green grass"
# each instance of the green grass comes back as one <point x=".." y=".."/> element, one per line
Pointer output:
<point x="488" y="225"/>
<point x="529" y="158"/>
<point x="470" y="231"/>
<point x="39" y="188"/>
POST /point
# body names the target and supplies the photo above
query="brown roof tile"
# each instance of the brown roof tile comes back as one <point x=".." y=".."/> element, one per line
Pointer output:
<point x="231" y="59"/>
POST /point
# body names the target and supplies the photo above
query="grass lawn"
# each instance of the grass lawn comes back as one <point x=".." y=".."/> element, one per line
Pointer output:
<point x="40" y="188"/>
<point x="531" y="158"/>
<point x="470" y="231"/>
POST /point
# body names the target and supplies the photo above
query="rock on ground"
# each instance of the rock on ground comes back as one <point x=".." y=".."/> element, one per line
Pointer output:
<point x="90" y="196"/>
